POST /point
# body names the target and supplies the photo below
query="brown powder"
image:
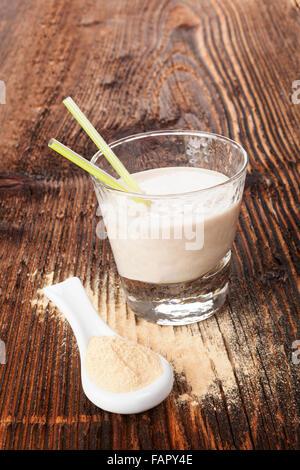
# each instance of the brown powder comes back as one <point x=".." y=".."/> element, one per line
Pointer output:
<point x="200" y="365"/>
<point x="40" y="302"/>
<point x="197" y="353"/>
<point x="120" y="366"/>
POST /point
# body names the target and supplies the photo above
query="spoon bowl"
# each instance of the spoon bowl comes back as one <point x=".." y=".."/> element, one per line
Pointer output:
<point x="70" y="297"/>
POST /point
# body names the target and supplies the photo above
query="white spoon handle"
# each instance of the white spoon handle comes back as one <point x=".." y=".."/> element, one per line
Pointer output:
<point x="70" y="297"/>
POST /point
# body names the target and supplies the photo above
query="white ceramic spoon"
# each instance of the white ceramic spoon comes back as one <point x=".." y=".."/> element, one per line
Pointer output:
<point x="70" y="297"/>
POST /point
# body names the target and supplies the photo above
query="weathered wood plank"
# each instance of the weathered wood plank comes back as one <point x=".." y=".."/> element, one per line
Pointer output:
<point x="224" y="66"/>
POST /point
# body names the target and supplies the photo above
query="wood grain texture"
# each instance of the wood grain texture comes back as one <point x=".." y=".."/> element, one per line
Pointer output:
<point x="225" y="66"/>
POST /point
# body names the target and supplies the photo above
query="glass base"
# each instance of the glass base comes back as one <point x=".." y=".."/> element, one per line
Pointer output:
<point x="181" y="303"/>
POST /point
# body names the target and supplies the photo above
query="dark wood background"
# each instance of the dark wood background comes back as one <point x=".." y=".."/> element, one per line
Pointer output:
<point x="225" y="66"/>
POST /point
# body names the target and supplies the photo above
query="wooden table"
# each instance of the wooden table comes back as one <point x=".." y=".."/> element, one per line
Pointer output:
<point x="226" y="66"/>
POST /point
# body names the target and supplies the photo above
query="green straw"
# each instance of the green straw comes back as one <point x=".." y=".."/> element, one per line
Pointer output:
<point x="85" y="164"/>
<point x="101" y="144"/>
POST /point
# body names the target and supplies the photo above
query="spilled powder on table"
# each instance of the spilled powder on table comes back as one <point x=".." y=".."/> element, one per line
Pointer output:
<point x="40" y="302"/>
<point x="196" y="352"/>
<point x="200" y="364"/>
<point x="186" y="398"/>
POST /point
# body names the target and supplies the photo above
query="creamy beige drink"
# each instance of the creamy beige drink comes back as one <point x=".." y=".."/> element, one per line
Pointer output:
<point x="178" y="239"/>
<point x="172" y="244"/>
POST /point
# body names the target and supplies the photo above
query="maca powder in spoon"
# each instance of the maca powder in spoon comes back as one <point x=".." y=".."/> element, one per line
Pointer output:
<point x="120" y="366"/>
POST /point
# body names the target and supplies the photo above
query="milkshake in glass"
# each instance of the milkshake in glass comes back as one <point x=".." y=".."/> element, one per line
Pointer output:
<point x="172" y="243"/>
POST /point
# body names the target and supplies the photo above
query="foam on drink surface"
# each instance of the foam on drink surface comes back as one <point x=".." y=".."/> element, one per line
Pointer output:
<point x="177" y="180"/>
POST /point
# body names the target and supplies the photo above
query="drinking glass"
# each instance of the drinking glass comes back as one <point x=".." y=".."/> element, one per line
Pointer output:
<point x="173" y="251"/>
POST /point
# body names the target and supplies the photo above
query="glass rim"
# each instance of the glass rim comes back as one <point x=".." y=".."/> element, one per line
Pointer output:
<point x="167" y="132"/>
